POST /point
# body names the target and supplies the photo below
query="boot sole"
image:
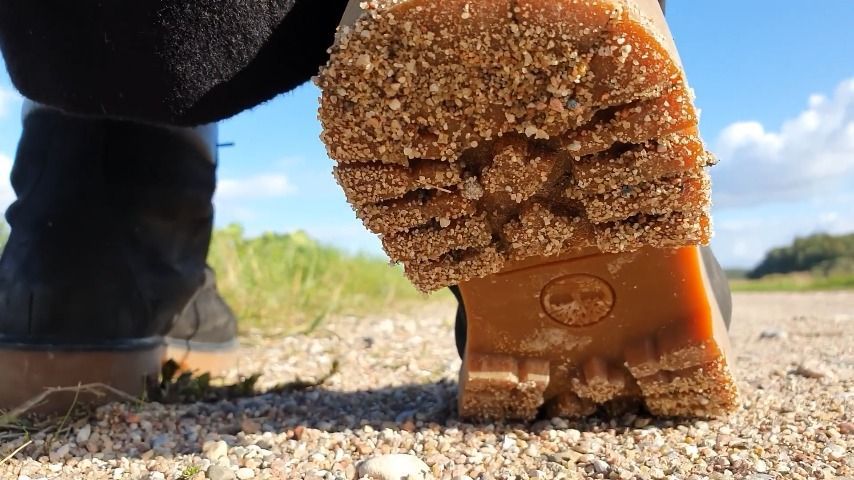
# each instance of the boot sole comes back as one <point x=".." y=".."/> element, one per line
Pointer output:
<point x="475" y="135"/>
<point x="29" y="370"/>
<point x="214" y="359"/>
<point x="568" y="336"/>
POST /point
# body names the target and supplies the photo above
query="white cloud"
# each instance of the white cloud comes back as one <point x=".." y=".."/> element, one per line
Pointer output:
<point x="9" y="100"/>
<point x="811" y="155"/>
<point x="270" y="185"/>
<point x="744" y="236"/>
<point x="772" y="186"/>
<point x="7" y="195"/>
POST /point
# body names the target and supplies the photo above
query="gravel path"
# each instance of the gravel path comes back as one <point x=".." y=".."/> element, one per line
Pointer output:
<point x="395" y="393"/>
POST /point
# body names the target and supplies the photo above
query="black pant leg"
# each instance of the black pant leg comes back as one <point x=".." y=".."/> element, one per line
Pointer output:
<point x="164" y="61"/>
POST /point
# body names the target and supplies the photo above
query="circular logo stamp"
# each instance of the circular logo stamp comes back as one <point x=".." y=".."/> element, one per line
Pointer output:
<point x="577" y="300"/>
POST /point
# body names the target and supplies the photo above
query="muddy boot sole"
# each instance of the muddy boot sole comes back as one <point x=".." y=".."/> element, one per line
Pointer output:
<point x="30" y="370"/>
<point x="473" y="136"/>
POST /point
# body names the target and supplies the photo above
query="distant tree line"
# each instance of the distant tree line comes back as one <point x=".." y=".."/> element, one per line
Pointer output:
<point x="821" y="254"/>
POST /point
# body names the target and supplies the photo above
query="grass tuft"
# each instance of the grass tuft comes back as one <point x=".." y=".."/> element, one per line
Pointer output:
<point x="290" y="282"/>
<point x="189" y="472"/>
<point x="794" y="282"/>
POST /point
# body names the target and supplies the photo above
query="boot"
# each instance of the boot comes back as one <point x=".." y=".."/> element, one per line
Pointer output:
<point x="545" y="157"/>
<point x="204" y="339"/>
<point x="109" y="236"/>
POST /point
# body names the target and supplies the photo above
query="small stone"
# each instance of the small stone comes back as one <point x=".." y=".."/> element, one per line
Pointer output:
<point x="250" y="426"/>
<point x="600" y="466"/>
<point x="84" y="433"/>
<point x="216" y="472"/>
<point x="772" y="334"/>
<point x="835" y="452"/>
<point x="565" y="457"/>
<point x="759" y="476"/>
<point x="846" y="428"/>
<point x="245" y="473"/>
<point x="215" y="450"/>
<point x="156" y="476"/>
<point x="60" y="453"/>
<point x="811" y="370"/>
<point x="350" y="471"/>
<point x="760" y="466"/>
<point x="573" y="435"/>
<point x="692" y="450"/>
<point x="394" y="467"/>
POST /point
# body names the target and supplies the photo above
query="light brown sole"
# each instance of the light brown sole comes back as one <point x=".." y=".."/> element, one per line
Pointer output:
<point x="29" y="372"/>
<point x="567" y="336"/>
<point x="475" y="136"/>
<point x="469" y="134"/>
<point x="199" y="361"/>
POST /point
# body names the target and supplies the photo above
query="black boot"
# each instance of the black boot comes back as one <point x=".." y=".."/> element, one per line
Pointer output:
<point x="109" y="237"/>
<point x="204" y="339"/>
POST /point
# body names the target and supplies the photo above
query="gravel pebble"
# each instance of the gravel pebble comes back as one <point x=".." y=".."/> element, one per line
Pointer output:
<point x="216" y="472"/>
<point x="397" y="394"/>
<point x="245" y="473"/>
<point x="811" y="370"/>
<point x="600" y="466"/>
<point x="394" y="467"/>
<point x="759" y="476"/>
<point x="84" y="433"/>
<point x="215" y="450"/>
<point x="772" y="334"/>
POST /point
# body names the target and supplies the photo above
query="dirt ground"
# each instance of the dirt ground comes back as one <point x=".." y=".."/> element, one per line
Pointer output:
<point x="394" y="392"/>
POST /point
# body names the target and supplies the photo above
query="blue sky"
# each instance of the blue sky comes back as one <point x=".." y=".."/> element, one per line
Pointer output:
<point x="775" y="83"/>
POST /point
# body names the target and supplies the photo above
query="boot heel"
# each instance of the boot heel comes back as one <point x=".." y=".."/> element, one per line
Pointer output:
<point x="596" y="330"/>
<point x="30" y="370"/>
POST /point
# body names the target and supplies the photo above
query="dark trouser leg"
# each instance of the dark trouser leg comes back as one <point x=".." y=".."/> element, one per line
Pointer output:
<point x="165" y="61"/>
<point x="109" y="238"/>
<point x="110" y="229"/>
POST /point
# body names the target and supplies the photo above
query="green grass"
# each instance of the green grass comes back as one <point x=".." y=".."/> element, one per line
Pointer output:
<point x="794" y="282"/>
<point x="290" y="283"/>
<point x="189" y="472"/>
